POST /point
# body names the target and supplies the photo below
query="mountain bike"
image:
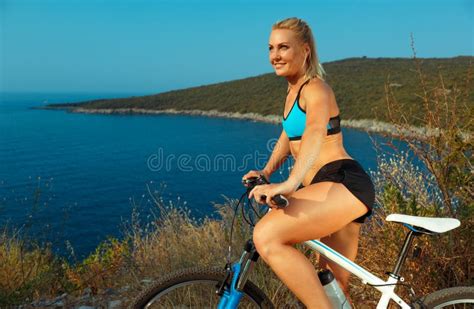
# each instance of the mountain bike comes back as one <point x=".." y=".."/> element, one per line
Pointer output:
<point x="228" y="287"/>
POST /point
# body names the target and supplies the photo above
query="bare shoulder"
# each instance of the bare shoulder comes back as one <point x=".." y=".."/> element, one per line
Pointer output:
<point x="316" y="92"/>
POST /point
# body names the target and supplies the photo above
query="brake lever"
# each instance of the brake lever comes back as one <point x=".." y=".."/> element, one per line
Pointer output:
<point x="279" y="199"/>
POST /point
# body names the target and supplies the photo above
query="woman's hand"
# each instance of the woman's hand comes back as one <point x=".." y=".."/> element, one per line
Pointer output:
<point x="253" y="173"/>
<point x="270" y="191"/>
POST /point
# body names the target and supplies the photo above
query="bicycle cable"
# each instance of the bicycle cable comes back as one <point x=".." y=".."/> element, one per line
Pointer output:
<point x="248" y="220"/>
<point x="229" y="253"/>
<point x="254" y="210"/>
<point x="246" y="217"/>
<point x="412" y="292"/>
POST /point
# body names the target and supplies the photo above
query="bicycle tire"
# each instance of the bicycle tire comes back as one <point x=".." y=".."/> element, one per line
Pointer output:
<point x="192" y="277"/>
<point x="456" y="297"/>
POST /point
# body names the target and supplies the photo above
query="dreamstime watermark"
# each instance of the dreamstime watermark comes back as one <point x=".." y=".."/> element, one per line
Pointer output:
<point x="160" y="161"/>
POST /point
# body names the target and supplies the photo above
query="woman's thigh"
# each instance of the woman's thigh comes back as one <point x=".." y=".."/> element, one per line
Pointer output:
<point x="314" y="212"/>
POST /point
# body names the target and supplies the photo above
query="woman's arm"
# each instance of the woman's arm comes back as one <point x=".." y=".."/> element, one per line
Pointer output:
<point x="280" y="153"/>
<point x="316" y="97"/>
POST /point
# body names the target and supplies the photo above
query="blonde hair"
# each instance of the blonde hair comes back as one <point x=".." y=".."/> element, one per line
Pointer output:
<point x="304" y="33"/>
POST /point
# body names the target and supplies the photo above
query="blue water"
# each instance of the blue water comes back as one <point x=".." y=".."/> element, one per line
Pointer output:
<point x="92" y="169"/>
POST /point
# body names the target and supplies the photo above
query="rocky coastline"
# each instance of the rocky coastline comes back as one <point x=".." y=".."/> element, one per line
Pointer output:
<point x="366" y="125"/>
<point x="360" y="124"/>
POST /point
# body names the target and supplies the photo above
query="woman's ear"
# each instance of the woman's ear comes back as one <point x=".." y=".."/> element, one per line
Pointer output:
<point x="307" y="51"/>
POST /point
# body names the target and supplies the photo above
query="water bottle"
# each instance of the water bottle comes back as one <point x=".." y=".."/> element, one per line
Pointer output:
<point x="333" y="291"/>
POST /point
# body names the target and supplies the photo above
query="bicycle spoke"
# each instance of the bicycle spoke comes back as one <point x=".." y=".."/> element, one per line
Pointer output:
<point x="195" y="294"/>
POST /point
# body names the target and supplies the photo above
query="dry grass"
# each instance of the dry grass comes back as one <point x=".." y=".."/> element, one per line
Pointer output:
<point x="26" y="270"/>
<point x="446" y="260"/>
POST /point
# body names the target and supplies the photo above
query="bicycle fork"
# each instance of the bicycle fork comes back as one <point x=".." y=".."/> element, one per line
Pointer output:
<point x="239" y="272"/>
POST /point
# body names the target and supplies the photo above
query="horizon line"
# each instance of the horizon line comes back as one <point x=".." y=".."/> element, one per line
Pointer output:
<point x="144" y="92"/>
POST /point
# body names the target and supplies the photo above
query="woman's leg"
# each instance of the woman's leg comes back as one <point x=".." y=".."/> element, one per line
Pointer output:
<point x="346" y="242"/>
<point x="314" y="212"/>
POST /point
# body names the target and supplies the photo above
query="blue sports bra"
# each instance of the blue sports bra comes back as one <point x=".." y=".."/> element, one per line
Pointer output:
<point x="295" y="122"/>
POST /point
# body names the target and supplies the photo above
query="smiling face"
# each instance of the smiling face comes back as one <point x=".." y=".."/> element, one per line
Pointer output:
<point x="287" y="53"/>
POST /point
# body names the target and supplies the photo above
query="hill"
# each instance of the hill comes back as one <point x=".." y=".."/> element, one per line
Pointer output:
<point x="359" y="85"/>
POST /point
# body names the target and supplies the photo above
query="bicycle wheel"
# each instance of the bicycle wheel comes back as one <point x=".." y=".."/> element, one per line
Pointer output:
<point x="195" y="288"/>
<point x="457" y="297"/>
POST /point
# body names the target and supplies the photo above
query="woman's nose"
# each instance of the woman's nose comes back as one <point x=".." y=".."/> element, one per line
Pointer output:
<point x="274" y="56"/>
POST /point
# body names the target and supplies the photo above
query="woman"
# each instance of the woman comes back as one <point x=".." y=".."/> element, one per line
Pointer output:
<point x="329" y="192"/>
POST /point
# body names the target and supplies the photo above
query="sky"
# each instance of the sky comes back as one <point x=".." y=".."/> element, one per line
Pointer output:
<point x="145" y="46"/>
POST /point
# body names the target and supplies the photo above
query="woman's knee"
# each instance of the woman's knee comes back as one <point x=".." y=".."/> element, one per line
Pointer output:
<point x="265" y="240"/>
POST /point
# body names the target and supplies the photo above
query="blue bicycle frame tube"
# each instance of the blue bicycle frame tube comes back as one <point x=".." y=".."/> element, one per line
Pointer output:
<point x="231" y="298"/>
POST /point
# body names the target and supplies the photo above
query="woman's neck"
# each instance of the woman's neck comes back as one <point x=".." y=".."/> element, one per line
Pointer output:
<point x="295" y="81"/>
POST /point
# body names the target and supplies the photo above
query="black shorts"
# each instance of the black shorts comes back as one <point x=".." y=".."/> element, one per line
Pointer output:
<point x="353" y="177"/>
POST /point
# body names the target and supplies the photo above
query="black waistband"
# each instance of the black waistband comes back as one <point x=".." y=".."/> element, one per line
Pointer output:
<point x="336" y="165"/>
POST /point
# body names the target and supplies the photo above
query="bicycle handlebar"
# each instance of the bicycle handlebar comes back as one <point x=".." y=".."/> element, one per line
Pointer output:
<point x="251" y="182"/>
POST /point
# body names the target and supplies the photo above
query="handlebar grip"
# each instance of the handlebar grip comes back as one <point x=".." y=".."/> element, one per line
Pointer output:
<point x="279" y="200"/>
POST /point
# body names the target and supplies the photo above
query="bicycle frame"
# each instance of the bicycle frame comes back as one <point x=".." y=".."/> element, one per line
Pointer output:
<point x="231" y="298"/>
<point x="363" y="274"/>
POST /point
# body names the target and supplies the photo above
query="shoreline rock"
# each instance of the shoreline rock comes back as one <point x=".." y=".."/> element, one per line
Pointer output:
<point x="364" y="124"/>
<point x="367" y="125"/>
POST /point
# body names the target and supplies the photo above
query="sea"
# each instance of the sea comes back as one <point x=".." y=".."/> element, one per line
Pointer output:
<point x="73" y="180"/>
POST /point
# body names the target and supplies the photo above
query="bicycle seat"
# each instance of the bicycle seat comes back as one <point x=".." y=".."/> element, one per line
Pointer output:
<point x="434" y="225"/>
